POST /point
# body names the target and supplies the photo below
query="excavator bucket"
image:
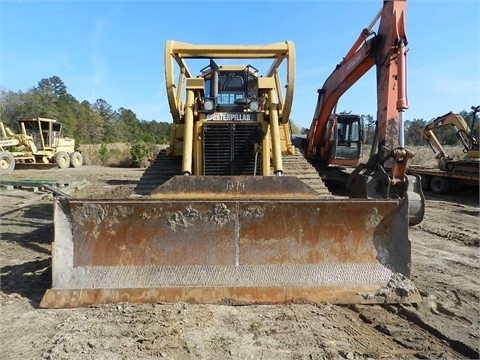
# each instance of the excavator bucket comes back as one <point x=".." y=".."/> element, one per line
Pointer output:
<point x="247" y="244"/>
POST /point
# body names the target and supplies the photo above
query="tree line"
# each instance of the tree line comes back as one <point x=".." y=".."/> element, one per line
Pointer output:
<point x="99" y="123"/>
<point x="88" y="123"/>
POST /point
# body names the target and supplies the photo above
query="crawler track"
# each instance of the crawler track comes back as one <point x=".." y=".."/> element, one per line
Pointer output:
<point x="165" y="167"/>
<point x="160" y="170"/>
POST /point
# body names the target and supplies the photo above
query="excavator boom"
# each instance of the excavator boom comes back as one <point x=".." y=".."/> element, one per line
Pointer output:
<point x="464" y="134"/>
<point x="384" y="175"/>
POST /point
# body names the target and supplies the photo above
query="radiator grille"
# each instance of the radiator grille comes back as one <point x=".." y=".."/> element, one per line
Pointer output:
<point x="229" y="149"/>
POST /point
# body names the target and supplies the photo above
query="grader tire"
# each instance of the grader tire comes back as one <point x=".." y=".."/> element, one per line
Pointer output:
<point x="76" y="159"/>
<point x="7" y="162"/>
<point x="62" y="159"/>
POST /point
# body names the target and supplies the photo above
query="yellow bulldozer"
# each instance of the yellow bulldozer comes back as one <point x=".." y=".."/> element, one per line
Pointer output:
<point x="39" y="144"/>
<point x="232" y="213"/>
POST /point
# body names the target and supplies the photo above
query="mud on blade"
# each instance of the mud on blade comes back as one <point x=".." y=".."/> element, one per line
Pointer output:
<point x="231" y="251"/>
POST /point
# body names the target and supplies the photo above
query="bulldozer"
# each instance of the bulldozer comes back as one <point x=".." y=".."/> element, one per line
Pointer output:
<point x="39" y="144"/>
<point x="232" y="212"/>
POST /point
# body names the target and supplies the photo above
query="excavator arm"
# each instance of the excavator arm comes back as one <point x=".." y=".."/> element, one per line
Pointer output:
<point x="355" y="64"/>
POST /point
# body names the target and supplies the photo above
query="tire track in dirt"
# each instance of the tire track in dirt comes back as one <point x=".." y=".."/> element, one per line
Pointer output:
<point x="445" y="269"/>
<point x="403" y="325"/>
<point x="460" y="225"/>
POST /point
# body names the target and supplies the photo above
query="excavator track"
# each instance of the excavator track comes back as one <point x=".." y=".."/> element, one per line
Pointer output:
<point x="165" y="167"/>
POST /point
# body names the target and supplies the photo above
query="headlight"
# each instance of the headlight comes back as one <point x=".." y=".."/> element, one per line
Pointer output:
<point x="253" y="105"/>
<point x="208" y="105"/>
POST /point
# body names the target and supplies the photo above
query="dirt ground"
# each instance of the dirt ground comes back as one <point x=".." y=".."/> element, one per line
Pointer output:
<point x="445" y="325"/>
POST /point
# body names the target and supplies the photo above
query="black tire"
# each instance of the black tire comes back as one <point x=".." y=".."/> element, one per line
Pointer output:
<point x="439" y="185"/>
<point x="62" y="159"/>
<point x="7" y="162"/>
<point x="76" y="159"/>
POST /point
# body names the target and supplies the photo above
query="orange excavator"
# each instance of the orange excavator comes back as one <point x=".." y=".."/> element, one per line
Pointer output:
<point x="384" y="175"/>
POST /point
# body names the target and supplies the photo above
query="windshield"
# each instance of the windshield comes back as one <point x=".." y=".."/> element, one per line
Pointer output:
<point x="348" y="145"/>
<point x="230" y="89"/>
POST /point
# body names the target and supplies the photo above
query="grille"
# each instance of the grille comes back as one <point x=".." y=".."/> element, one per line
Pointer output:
<point x="229" y="149"/>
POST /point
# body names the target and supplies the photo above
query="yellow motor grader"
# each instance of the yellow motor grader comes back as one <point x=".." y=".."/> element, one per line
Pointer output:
<point x="237" y="217"/>
<point x="39" y="144"/>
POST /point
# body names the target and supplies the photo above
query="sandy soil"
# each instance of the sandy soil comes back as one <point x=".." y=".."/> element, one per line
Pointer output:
<point x="445" y="325"/>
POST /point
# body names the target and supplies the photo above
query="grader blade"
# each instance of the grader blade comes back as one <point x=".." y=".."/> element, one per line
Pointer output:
<point x="231" y="250"/>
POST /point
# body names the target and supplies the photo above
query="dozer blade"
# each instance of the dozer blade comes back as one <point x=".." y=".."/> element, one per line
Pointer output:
<point x="229" y="251"/>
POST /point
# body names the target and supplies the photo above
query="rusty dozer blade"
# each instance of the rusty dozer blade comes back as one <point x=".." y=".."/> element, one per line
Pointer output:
<point x="230" y="250"/>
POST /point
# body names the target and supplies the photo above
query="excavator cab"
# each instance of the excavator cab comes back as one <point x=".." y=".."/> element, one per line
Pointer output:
<point x="347" y="140"/>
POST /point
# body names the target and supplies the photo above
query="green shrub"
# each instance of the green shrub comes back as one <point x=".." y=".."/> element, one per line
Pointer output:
<point x="141" y="153"/>
<point x="103" y="153"/>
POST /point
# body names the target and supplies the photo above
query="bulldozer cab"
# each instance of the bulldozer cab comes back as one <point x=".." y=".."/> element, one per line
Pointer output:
<point x="229" y="111"/>
<point x="231" y="89"/>
<point x="230" y="119"/>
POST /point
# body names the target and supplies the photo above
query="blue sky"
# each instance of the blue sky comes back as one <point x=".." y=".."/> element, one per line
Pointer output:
<point x="113" y="50"/>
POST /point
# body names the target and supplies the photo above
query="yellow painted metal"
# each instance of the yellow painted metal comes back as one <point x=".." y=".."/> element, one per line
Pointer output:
<point x="188" y="134"/>
<point x="275" y="132"/>
<point x="198" y="145"/>
<point x="178" y="52"/>
<point x="285" y="139"/>
<point x="2" y="130"/>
